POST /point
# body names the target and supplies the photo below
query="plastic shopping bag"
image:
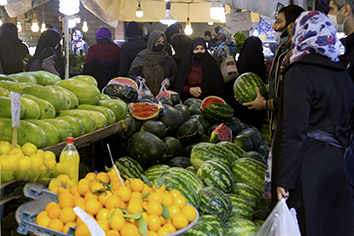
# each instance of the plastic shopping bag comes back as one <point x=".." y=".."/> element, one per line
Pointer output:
<point x="163" y="88"/>
<point x="280" y="222"/>
<point x="143" y="89"/>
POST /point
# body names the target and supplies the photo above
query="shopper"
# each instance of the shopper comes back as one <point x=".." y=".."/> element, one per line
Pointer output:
<point x="208" y="39"/>
<point x="78" y="45"/>
<point x="48" y="54"/>
<point x="153" y="65"/>
<point x="131" y="48"/>
<point x="198" y="75"/>
<point x="180" y="44"/>
<point x="102" y="61"/>
<point x="12" y="50"/>
<point x="316" y="103"/>
<point x="170" y="32"/>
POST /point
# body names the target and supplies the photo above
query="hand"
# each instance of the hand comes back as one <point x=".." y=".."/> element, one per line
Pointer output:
<point x="140" y="79"/>
<point x="166" y="82"/>
<point x="259" y="103"/>
<point x="282" y="193"/>
<point x="195" y="91"/>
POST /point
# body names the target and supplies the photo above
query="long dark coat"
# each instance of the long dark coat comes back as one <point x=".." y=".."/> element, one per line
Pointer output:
<point x="316" y="93"/>
<point x="128" y="53"/>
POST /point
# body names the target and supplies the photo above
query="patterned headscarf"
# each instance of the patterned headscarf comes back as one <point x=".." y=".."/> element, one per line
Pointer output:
<point x="314" y="32"/>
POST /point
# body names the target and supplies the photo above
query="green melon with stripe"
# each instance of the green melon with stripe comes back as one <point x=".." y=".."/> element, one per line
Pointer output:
<point x="240" y="207"/>
<point x="210" y="100"/>
<point x="128" y="169"/>
<point x="254" y="196"/>
<point x="240" y="227"/>
<point x="245" y="87"/>
<point x="247" y="170"/>
<point x="173" y="182"/>
<point x="191" y="169"/>
<point x="235" y="152"/>
<point x="218" y="112"/>
<point x="216" y="174"/>
<point x="204" y="229"/>
<point x="187" y="176"/>
<point x="155" y="171"/>
<point x="108" y="113"/>
<point x="244" y="142"/>
<point x="212" y="220"/>
<point x="213" y="201"/>
<point x="206" y="151"/>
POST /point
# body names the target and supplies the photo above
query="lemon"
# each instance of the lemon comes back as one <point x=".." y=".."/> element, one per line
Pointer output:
<point x="53" y="184"/>
<point x="50" y="155"/>
<point x="50" y="163"/>
<point x="5" y="147"/>
<point x="3" y="156"/>
<point x="13" y="159"/>
<point x="70" y="184"/>
<point x="29" y="149"/>
<point x="6" y="164"/>
<point x="63" y="179"/>
<point x="16" y="151"/>
<point x="40" y="152"/>
<point x="37" y="162"/>
<point x="24" y="163"/>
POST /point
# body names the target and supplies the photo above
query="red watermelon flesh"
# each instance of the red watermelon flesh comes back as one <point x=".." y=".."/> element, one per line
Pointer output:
<point x="144" y="110"/>
<point x="221" y="133"/>
<point x="211" y="99"/>
<point x="125" y="81"/>
<point x="174" y="96"/>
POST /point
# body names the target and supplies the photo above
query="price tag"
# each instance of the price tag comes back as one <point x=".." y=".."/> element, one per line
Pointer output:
<point x="92" y="225"/>
<point x="15" y="109"/>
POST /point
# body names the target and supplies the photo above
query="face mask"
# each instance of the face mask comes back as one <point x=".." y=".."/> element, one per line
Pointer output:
<point x="158" y="47"/>
<point x="75" y="38"/>
<point x="199" y="56"/>
<point x="279" y="39"/>
<point x="333" y="18"/>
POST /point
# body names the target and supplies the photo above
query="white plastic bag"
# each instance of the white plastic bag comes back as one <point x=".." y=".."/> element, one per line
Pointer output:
<point x="143" y="89"/>
<point x="163" y="88"/>
<point x="280" y="222"/>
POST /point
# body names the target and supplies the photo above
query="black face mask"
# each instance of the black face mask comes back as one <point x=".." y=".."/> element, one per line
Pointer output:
<point x="199" y="56"/>
<point x="158" y="47"/>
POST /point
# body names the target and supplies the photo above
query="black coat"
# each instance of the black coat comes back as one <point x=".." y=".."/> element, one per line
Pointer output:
<point x="348" y="57"/>
<point x="316" y="93"/>
<point x="128" y="53"/>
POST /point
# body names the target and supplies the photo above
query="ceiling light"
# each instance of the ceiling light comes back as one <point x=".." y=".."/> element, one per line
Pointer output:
<point x="3" y="2"/>
<point x="216" y="10"/>
<point x="84" y="26"/>
<point x="43" y="27"/>
<point x="139" y="12"/>
<point x="71" y="22"/>
<point x="69" y="7"/>
<point x="168" y="19"/>
<point x="188" y="30"/>
<point x="34" y="27"/>
<point x="210" y="23"/>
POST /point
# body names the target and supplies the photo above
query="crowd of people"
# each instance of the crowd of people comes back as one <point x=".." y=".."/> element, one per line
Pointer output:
<point x="310" y="103"/>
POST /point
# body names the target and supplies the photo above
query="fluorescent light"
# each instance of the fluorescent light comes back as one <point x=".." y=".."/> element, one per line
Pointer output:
<point x="216" y="10"/>
<point x="168" y="19"/>
<point x="69" y="7"/>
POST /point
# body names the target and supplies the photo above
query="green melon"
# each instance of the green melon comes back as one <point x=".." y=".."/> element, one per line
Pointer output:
<point x="245" y="87"/>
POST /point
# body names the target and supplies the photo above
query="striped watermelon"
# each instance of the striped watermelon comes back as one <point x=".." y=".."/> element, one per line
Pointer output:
<point x="204" y="229"/>
<point x="215" y="202"/>
<point x="155" y="171"/>
<point x="240" y="227"/>
<point x="212" y="220"/>
<point x="129" y="168"/>
<point x="211" y="99"/>
<point x="255" y="137"/>
<point x="187" y="176"/>
<point x="241" y="207"/>
<point x="235" y="152"/>
<point x="207" y="151"/>
<point x="247" y="170"/>
<point x="216" y="174"/>
<point x="125" y="81"/>
<point x="243" y="142"/>
<point x="245" y="87"/>
<point x="220" y="134"/>
<point x="191" y="169"/>
<point x="173" y="182"/>
<point x="218" y="112"/>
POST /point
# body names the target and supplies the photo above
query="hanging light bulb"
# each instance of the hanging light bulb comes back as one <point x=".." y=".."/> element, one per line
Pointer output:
<point x="43" y="27"/>
<point x="34" y="27"/>
<point x="168" y="19"/>
<point x="19" y="26"/>
<point x="69" y="7"/>
<point x="3" y="2"/>
<point x="210" y="23"/>
<point x="72" y="22"/>
<point x="84" y="26"/>
<point x="77" y="19"/>
<point x="188" y="30"/>
<point x="139" y="12"/>
<point x="255" y="33"/>
<point x="216" y="10"/>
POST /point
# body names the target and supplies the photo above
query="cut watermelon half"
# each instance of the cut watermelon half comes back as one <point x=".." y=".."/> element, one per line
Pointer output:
<point x="210" y="100"/>
<point x="125" y="81"/>
<point x="144" y="110"/>
<point x="174" y="96"/>
<point x="221" y="133"/>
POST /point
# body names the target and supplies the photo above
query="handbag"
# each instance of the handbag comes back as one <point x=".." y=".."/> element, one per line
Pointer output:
<point x="227" y="66"/>
<point x="37" y="63"/>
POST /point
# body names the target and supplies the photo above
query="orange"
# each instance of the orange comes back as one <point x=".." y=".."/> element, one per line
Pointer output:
<point x="49" y="205"/>
<point x="136" y="194"/>
<point x="103" y="214"/>
<point x="135" y="208"/>
<point x="123" y="205"/>
<point x="117" y="222"/>
<point x="90" y="176"/>
<point x="154" y="208"/>
<point x="56" y="224"/>
<point x="173" y="210"/>
<point x="83" y="187"/>
<point x="89" y="196"/>
<point x="115" y="211"/>
<point x="104" y="224"/>
<point x="103" y="176"/>
<point x="164" y="220"/>
<point x="124" y="193"/>
<point x="66" y="202"/>
<point x="175" y="193"/>
<point x="129" y="230"/>
<point x="64" y="194"/>
<point x="102" y="198"/>
<point x="154" y="223"/>
<point x="82" y="230"/>
<point x="146" y="189"/>
<point x="179" y="221"/>
<point x="44" y="221"/>
<point x="112" y="202"/>
<point x="154" y="197"/>
<point x="145" y="216"/>
<point x="137" y="185"/>
<point x="136" y="200"/>
<point x="40" y="216"/>
<point x="61" y="190"/>
<point x="112" y="233"/>
<point x="189" y="212"/>
<point x="97" y="187"/>
<point x="67" y="226"/>
<point x="80" y="202"/>
<point x="167" y="199"/>
<point x="152" y="233"/>
<point x="160" y="191"/>
<point x="93" y="206"/>
<point x="180" y="201"/>
<point x="73" y="190"/>
<point x="54" y="212"/>
<point x="67" y="215"/>
<point x="163" y="231"/>
<point x="170" y="227"/>
<point x="116" y="184"/>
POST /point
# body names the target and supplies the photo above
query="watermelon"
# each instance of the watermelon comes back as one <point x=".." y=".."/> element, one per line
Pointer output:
<point x="202" y="228"/>
<point x="255" y="137"/>
<point x="212" y="220"/>
<point x="182" y="162"/>
<point x="183" y="109"/>
<point x="190" y="132"/>
<point x="174" y="146"/>
<point x="220" y="134"/>
<point x="264" y="151"/>
<point x="257" y="156"/>
<point x="155" y="171"/>
<point x="207" y="151"/>
<point x="171" y="117"/>
<point x="216" y="174"/>
<point x="213" y="201"/>
<point x="241" y="207"/>
<point x="211" y="99"/>
<point x="130" y="130"/>
<point x="129" y="168"/>
<point x="247" y="170"/>
<point x="243" y="142"/>
<point x="124" y="81"/>
<point x="235" y="152"/>
<point x="218" y="112"/>
<point x="188" y="149"/>
<point x="245" y="87"/>
<point x="165" y="100"/>
<point x="147" y="98"/>
<point x="235" y="125"/>
<point x="174" y="96"/>
<point x="191" y="169"/>
<point x="155" y="127"/>
<point x="238" y="227"/>
<point x="190" y="101"/>
<point x="144" y="110"/>
<point x="187" y="176"/>
<point x="258" y="223"/>
<point x="195" y="109"/>
<point x="204" y="122"/>
<point x="124" y="92"/>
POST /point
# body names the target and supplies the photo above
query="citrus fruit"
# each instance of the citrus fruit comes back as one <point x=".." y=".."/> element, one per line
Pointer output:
<point x="67" y="215"/>
<point x="56" y="224"/>
<point x="93" y="206"/>
<point x="179" y="221"/>
<point x="29" y="149"/>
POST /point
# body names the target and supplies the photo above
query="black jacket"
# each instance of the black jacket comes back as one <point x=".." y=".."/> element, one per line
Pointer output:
<point x="348" y="57"/>
<point x="128" y="53"/>
<point x="316" y="93"/>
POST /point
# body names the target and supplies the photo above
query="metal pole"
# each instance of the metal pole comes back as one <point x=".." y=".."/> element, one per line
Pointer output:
<point x="67" y="39"/>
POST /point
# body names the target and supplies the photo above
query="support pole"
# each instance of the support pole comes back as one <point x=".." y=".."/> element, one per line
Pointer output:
<point x="67" y="40"/>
